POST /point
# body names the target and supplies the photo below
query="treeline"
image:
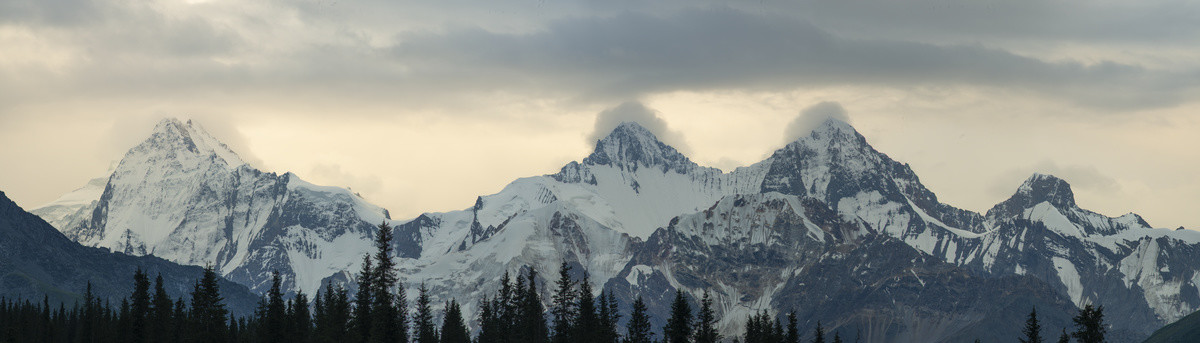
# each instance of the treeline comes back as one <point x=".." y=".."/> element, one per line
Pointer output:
<point x="379" y="312"/>
<point x="142" y="317"/>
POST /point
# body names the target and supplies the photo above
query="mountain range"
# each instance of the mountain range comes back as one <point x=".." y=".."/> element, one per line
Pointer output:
<point x="37" y="261"/>
<point x="826" y="226"/>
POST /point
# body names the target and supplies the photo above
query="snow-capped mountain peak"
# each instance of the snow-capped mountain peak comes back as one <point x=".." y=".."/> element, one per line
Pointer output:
<point x="631" y="145"/>
<point x="1037" y="189"/>
<point x="172" y="136"/>
<point x="184" y="196"/>
<point x="1044" y="187"/>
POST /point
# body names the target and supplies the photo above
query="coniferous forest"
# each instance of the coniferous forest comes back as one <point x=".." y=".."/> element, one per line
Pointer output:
<point x="378" y="311"/>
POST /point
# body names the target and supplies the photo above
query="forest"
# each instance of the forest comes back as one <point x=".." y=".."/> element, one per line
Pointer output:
<point x="379" y="312"/>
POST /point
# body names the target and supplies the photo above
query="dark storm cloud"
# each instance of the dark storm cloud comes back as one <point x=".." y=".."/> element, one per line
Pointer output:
<point x="633" y="54"/>
<point x="589" y="51"/>
<point x="50" y="12"/>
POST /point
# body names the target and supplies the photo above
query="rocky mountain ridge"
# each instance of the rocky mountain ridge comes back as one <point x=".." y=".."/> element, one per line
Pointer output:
<point x="639" y="217"/>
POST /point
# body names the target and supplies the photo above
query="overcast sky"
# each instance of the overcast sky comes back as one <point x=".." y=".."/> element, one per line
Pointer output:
<point x="422" y="105"/>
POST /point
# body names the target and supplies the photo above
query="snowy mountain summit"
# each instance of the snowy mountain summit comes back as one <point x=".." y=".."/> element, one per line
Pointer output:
<point x="826" y="224"/>
<point x="184" y="196"/>
<point x="630" y="145"/>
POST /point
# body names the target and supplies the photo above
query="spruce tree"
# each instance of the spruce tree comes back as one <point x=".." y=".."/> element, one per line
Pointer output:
<point x="1089" y="325"/>
<point x="208" y="310"/>
<point x="793" y="331"/>
<point x="87" y="322"/>
<point x="776" y="331"/>
<point x="531" y="325"/>
<point x="423" y="319"/>
<point x="1033" y="330"/>
<point x="837" y="338"/>
<point x="563" y="307"/>
<point x="489" y="323"/>
<point x="679" y="327"/>
<point x="609" y="314"/>
<point x="139" y="307"/>
<point x="706" y="321"/>
<point x="320" y="321"/>
<point x="181" y="322"/>
<point x="301" y="319"/>
<point x="505" y="309"/>
<point x="586" y="325"/>
<point x="160" y="318"/>
<point x="362" y="301"/>
<point x="753" y="332"/>
<point x="386" y="327"/>
<point x="333" y="323"/>
<point x="819" y="334"/>
<point x="453" y="328"/>
<point x="273" y="314"/>
<point x="1064" y="338"/>
<point x="123" y="325"/>
<point x="638" y="328"/>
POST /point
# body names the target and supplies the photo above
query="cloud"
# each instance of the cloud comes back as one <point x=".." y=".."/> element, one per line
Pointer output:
<point x="633" y="54"/>
<point x="1084" y="178"/>
<point x="634" y="111"/>
<point x="332" y="174"/>
<point x="812" y="117"/>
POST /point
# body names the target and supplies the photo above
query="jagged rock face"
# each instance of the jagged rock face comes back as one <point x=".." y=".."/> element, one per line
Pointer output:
<point x="184" y="196"/>
<point x="631" y="146"/>
<point x="644" y="220"/>
<point x="835" y="164"/>
<point x="782" y="253"/>
<point x="1037" y="189"/>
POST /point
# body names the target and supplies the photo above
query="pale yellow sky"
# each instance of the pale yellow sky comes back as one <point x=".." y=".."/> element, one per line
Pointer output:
<point x="422" y="106"/>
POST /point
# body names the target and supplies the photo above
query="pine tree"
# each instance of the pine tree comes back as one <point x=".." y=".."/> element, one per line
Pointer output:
<point x="362" y="301"/>
<point x="273" y="313"/>
<point x="301" y="319"/>
<point x="489" y="323"/>
<point x="586" y="325"/>
<point x="793" y="331"/>
<point x="453" y="328"/>
<point x="386" y="327"/>
<point x="638" y="328"/>
<point x="505" y="309"/>
<point x="706" y="321"/>
<point x="753" y="332"/>
<point x="333" y="318"/>
<point x="563" y="307"/>
<point x="181" y="322"/>
<point x="1064" y="338"/>
<point x="320" y="319"/>
<point x="679" y="327"/>
<point x="88" y="320"/>
<point x="531" y="325"/>
<point x="423" y="320"/>
<point x="139" y="307"/>
<point x="819" y="334"/>
<point x="1033" y="330"/>
<point x="776" y="331"/>
<point x="1089" y="325"/>
<point x="837" y="338"/>
<point x="208" y="310"/>
<point x="609" y="315"/>
<point x="160" y="318"/>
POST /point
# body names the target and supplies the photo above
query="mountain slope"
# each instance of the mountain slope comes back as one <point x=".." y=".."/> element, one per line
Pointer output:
<point x="1186" y="329"/>
<point x="784" y="253"/>
<point x="183" y="196"/>
<point x="838" y="203"/>
<point x="37" y="260"/>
